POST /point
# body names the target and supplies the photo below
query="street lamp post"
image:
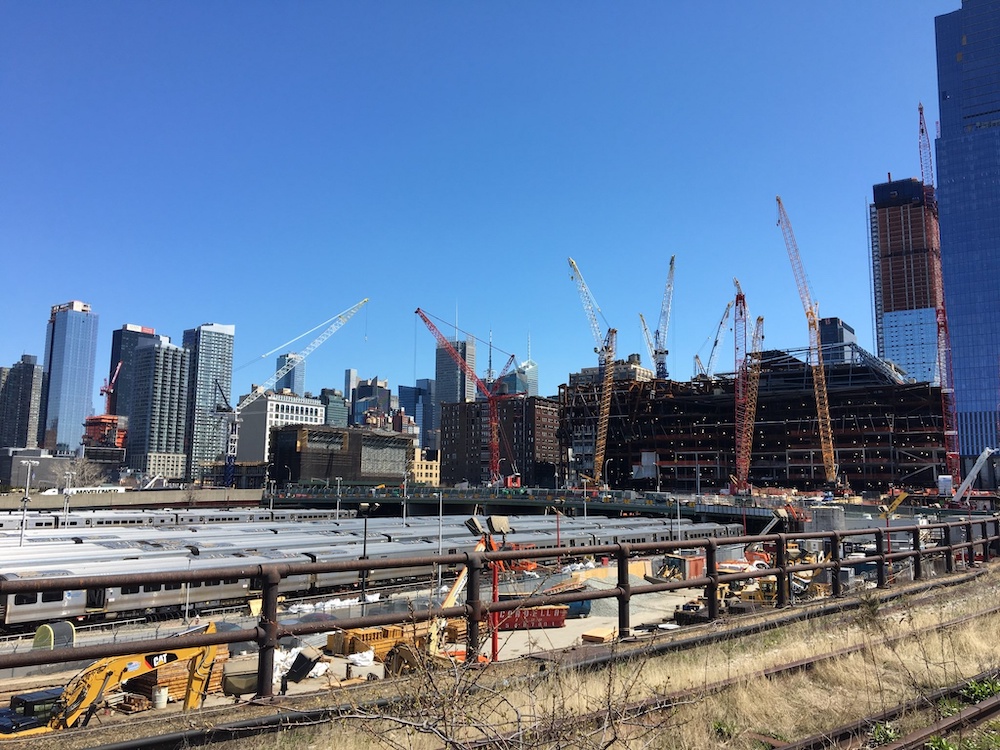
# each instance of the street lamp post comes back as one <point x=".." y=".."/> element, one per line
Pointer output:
<point x="365" y="509"/>
<point x="338" y="496"/>
<point x="69" y="483"/>
<point x="440" y="534"/>
<point x="406" y="476"/>
<point x="27" y="464"/>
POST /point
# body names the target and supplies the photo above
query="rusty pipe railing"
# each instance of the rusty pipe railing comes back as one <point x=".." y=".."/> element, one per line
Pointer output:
<point x="958" y="538"/>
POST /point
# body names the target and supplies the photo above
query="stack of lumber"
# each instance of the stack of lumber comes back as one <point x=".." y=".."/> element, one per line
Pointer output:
<point x="175" y="677"/>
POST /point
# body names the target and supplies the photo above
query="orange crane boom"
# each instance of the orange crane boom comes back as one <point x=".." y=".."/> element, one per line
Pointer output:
<point x="605" y="348"/>
<point x="816" y="351"/>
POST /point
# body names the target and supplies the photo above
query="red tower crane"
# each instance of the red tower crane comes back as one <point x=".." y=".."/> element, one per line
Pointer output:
<point x="488" y="391"/>
<point x="953" y="462"/>
<point x="747" y="378"/>
<point x="108" y="388"/>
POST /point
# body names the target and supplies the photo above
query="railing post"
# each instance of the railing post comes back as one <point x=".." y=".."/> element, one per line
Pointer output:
<point x="949" y="559"/>
<point x="986" y="540"/>
<point x="882" y="578"/>
<point x="836" y="588"/>
<point x="712" y="571"/>
<point x="269" y="628"/>
<point x="474" y="607"/>
<point x="780" y="562"/>
<point x="624" y="623"/>
<point x="970" y="548"/>
<point x="917" y="555"/>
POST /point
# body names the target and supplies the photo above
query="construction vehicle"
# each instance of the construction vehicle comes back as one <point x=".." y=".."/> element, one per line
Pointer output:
<point x="885" y="511"/>
<point x="489" y="390"/>
<point x="43" y="712"/>
<point x="657" y="343"/>
<point x="233" y="413"/>
<point x="815" y="349"/>
<point x="958" y="500"/>
<point x="605" y="348"/>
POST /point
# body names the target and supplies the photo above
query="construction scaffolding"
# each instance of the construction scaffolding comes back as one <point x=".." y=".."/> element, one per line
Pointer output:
<point x="672" y="435"/>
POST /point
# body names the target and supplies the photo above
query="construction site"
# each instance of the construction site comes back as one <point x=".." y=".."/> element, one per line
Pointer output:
<point x="679" y="435"/>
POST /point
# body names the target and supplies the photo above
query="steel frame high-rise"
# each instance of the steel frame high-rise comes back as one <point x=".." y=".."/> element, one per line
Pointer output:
<point x="968" y="191"/>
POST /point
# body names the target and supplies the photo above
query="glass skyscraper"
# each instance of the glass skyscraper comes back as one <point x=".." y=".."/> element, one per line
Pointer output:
<point x="295" y="379"/>
<point x="968" y="166"/>
<point x="70" y="357"/>
<point x="211" y="385"/>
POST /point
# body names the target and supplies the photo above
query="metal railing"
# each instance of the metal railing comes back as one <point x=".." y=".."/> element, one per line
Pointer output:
<point x="969" y="541"/>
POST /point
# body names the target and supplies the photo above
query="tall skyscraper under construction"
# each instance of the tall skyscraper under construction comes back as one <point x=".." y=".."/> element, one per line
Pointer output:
<point x="968" y="190"/>
<point x="211" y="385"/>
<point x="905" y="260"/>
<point x="70" y="356"/>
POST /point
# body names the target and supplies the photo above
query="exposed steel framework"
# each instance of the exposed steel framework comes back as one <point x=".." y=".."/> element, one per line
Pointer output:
<point x="816" y="351"/>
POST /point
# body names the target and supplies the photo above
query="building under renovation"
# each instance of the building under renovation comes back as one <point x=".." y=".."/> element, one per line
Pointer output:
<point x="671" y="435"/>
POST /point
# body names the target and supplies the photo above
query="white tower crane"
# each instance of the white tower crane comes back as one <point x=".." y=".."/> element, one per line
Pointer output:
<point x="233" y="414"/>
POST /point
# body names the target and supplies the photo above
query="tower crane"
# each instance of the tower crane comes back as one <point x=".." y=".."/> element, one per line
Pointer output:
<point x="657" y="343"/>
<point x="816" y="351"/>
<point x="109" y="388"/>
<point x="709" y="371"/>
<point x="605" y="348"/>
<point x="951" y="443"/>
<point x="233" y="413"/>
<point x="489" y="391"/>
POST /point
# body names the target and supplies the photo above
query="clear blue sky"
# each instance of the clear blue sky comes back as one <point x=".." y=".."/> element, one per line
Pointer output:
<point x="270" y="164"/>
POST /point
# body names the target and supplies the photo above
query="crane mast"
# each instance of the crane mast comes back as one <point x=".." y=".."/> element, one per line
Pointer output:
<point x="816" y="351"/>
<point x="489" y="391"/>
<point x="605" y="348"/>
<point x="233" y="442"/>
<point x="658" y="348"/>
<point x="710" y="369"/>
<point x="952" y="456"/>
<point x="747" y="378"/>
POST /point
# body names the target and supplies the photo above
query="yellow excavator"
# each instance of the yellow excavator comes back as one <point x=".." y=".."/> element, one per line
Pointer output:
<point x="44" y="711"/>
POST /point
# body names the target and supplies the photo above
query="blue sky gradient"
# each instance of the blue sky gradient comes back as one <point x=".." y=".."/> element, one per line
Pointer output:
<point x="270" y="164"/>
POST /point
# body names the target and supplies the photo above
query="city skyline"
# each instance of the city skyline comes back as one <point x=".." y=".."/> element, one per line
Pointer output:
<point x="465" y="153"/>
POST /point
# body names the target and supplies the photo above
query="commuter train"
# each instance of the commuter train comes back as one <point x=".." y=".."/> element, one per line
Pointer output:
<point x="207" y="547"/>
<point x="55" y="519"/>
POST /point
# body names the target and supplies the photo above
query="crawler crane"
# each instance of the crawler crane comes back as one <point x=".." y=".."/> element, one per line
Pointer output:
<point x="816" y="351"/>
<point x="605" y="348"/>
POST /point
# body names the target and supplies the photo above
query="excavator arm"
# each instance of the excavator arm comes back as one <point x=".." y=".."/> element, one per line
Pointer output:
<point x="84" y="694"/>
